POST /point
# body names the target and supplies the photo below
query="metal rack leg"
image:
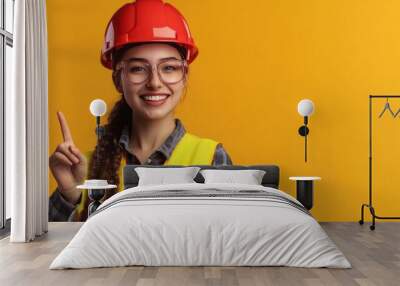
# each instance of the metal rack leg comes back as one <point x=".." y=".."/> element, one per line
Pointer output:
<point x="372" y="210"/>
<point x="374" y="216"/>
<point x="361" y="221"/>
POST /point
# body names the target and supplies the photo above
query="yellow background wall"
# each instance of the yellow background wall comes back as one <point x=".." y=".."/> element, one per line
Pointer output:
<point x="257" y="60"/>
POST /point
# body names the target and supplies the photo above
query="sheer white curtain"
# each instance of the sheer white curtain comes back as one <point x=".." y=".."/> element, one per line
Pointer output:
<point x="27" y="124"/>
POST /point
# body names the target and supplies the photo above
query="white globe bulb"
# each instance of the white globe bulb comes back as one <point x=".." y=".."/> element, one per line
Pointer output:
<point x="98" y="107"/>
<point x="305" y="107"/>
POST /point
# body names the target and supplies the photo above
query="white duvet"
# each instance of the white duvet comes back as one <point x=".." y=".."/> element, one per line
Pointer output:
<point x="190" y="230"/>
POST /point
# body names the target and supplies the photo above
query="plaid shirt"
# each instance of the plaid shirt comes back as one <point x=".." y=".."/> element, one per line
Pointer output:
<point x="62" y="210"/>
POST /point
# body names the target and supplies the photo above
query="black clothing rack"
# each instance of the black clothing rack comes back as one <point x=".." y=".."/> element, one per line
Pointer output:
<point x="370" y="205"/>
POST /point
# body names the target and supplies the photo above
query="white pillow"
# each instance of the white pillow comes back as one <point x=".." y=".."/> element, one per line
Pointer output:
<point x="248" y="176"/>
<point x="161" y="176"/>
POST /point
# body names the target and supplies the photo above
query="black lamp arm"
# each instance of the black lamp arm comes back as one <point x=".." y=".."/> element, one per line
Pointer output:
<point x="303" y="131"/>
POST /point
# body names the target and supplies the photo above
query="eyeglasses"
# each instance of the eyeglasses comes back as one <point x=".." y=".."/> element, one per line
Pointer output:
<point x="169" y="71"/>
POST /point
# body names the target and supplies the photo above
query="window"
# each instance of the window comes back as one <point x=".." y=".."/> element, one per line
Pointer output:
<point x="6" y="62"/>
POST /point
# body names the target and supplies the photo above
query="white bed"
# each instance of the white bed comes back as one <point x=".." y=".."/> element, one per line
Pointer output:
<point x="196" y="224"/>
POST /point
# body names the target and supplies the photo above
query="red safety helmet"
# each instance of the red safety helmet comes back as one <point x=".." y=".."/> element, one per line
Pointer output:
<point x="146" y="21"/>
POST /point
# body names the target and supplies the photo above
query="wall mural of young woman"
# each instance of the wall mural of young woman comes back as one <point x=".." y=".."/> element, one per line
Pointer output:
<point x="148" y="47"/>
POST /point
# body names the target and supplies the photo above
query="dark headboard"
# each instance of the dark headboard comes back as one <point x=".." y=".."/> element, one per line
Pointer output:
<point x="270" y="179"/>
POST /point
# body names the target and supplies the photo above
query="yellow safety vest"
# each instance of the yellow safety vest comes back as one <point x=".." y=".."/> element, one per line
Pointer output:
<point x="190" y="150"/>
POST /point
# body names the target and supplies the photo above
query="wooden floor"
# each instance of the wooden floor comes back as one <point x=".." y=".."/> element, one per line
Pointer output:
<point x="375" y="257"/>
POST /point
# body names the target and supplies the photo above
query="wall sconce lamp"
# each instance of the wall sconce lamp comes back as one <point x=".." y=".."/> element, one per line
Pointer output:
<point x="96" y="188"/>
<point x="98" y="108"/>
<point x="305" y="109"/>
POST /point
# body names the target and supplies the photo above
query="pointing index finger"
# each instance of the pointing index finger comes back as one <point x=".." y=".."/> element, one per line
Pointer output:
<point x="64" y="127"/>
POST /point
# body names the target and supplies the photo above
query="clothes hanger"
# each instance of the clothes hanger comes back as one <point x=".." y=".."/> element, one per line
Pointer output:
<point x="387" y="107"/>
<point x="398" y="111"/>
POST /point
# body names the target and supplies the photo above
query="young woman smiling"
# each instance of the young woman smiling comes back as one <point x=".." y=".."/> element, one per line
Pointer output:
<point x="149" y="47"/>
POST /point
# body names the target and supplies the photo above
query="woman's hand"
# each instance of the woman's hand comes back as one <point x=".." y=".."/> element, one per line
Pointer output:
<point x="68" y="165"/>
